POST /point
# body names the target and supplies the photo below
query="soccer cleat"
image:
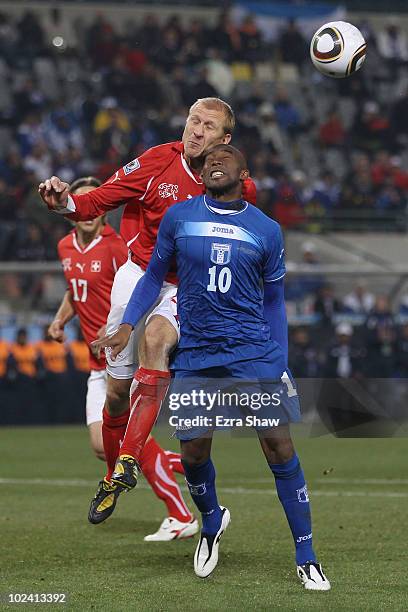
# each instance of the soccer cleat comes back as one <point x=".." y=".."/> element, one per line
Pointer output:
<point x="104" y="502"/>
<point x="312" y="576"/>
<point x="172" y="529"/>
<point x="125" y="473"/>
<point x="206" y="554"/>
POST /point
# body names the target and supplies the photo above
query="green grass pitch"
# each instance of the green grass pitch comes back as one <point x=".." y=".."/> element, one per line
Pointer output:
<point x="48" y="476"/>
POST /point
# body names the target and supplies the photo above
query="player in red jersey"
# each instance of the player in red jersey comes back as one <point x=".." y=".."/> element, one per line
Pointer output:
<point x="91" y="255"/>
<point x="148" y="185"/>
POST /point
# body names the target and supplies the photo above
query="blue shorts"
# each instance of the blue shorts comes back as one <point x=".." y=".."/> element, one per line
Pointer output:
<point x="256" y="393"/>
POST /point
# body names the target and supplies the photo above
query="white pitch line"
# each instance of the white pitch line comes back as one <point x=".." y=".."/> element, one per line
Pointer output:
<point x="358" y="481"/>
<point x="226" y="490"/>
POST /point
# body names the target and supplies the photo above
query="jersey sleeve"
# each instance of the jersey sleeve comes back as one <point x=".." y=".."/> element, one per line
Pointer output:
<point x="275" y="314"/>
<point x="249" y="191"/>
<point x="128" y="183"/>
<point x="148" y="288"/>
<point x="275" y="256"/>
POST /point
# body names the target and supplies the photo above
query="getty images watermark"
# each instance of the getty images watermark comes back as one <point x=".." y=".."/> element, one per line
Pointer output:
<point x="200" y="408"/>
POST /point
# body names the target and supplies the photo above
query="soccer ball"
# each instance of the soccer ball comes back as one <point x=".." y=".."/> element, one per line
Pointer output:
<point x="338" y="49"/>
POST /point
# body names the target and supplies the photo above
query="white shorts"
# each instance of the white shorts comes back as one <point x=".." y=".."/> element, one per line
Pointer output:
<point x="95" y="397"/>
<point x="125" y="281"/>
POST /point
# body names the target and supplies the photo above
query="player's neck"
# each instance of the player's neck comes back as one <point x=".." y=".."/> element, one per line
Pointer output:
<point x="231" y="199"/>
<point x="85" y="238"/>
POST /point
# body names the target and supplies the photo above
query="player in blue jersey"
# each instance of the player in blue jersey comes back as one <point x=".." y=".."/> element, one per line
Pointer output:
<point x="230" y="302"/>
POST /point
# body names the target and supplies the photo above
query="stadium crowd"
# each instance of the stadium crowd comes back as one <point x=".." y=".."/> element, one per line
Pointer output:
<point x="79" y="98"/>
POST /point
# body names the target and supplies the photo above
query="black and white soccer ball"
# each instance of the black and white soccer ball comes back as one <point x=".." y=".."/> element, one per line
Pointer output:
<point x="338" y="49"/>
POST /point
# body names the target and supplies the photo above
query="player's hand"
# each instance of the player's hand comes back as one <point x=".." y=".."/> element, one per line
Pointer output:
<point x="101" y="333"/>
<point x="54" y="193"/>
<point x="56" y="331"/>
<point x="115" y="343"/>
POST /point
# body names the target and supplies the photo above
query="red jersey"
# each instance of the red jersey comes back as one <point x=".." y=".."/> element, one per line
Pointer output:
<point x="148" y="186"/>
<point x="90" y="273"/>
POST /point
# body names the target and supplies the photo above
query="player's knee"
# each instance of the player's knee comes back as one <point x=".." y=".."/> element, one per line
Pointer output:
<point x="195" y="452"/>
<point x="117" y="396"/>
<point x="160" y="337"/>
<point x="99" y="453"/>
<point x="277" y="449"/>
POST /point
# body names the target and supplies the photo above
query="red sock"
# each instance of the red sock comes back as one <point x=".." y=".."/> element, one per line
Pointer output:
<point x="175" y="461"/>
<point x="113" y="432"/>
<point x="146" y="395"/>
<point x="157" y="471"/>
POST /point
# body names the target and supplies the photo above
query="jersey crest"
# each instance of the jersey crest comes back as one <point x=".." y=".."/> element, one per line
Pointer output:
<point x="96" y="265"/>
<point x="220" y="253"/>
<point x="168" y="190"/>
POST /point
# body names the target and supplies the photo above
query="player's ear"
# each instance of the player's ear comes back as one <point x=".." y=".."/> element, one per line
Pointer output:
<point x="226" y="139"/>
<point x="244" y="174"/>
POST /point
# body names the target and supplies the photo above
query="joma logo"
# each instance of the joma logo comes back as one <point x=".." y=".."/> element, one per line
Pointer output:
<point x="222" y="230"/>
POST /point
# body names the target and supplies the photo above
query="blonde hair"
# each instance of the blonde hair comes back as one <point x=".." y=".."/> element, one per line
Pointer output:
<point x="218" y="105"/>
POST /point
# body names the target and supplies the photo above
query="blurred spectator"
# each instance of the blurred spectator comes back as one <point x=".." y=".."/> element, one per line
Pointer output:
<point x="80" y="354"/>
<point x="399" y="121"/>
<point x="31" y="245"/>
<point x="23" y="358"/>
<point x="292" y="46"/>
<point x="288" y="210"/>
<point x="102" y="43"/>
<point x="39" y="162"/>
<point x="112" y="129"/>
<point x="393" y="44"/>
<point x="383" y="352"/>
<point x="402" y="352"/>
<point x="310" y="284"/>
<point x="326" y="304"/>
<point x="326" y="191"/>
<point x="371" y="130"/>
<point x="303" y="355"/>
<point x="4" y="352"/>
<point x="251" y="40"/>
<point x="269" y="128"/>
<point x="359" y="300"/>
<point x="226" y="37"/>
<point x="332" y="132"/>
<point x="30" y="35"/>
<point x="52" y="354"/>
<point x="344" y="360"/>
<point x="287" y="115"/>
<point x="403" y="307"/>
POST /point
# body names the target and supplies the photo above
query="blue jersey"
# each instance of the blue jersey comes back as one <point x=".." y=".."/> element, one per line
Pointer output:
<point x="223" y="259"/>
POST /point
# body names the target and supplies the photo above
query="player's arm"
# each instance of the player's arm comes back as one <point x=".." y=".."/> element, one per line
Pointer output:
<point x="274" y="297"/>
<point x="147" y="289"/>
<point x="129" y="182"/>
<point x="275" y="313"/>
<point x="65" y="313"/>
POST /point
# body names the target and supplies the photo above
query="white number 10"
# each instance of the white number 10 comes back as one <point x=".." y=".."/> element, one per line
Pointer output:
<point x="224" y="279"/>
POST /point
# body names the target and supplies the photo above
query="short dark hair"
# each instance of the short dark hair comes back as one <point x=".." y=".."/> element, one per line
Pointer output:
<point x="84" y="181"/>
<point x="239" y="156"/>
